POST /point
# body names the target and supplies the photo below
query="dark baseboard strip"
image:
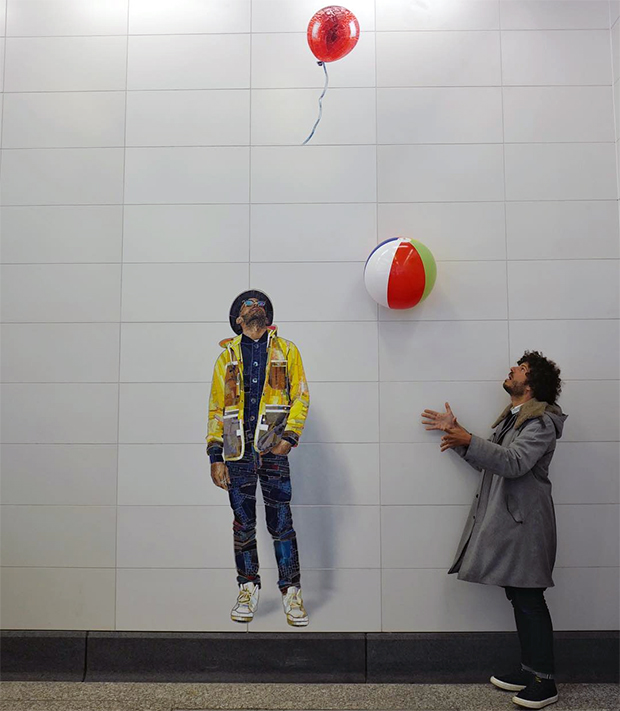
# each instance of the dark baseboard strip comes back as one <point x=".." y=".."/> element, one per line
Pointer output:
<point x="430" y="658"/>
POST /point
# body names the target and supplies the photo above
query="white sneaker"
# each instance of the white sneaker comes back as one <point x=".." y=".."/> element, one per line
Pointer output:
<point x="247" y="602"/>
<point x="294" y="610"/>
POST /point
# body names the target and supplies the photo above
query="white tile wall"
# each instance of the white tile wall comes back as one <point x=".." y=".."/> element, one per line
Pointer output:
<point x="71" y="176"/>
<point x="59" y="474"/>
<point x="65" y="64"/>
<point x="62" y="234"/>
<point x="554" y="14"/>
<point x="428" y="173"/>
<point x="178" y="233"/>
<point x="58" y="536"/>
<point x="64" y="120"/>
<point x="438" y="59"/>
<point x="176" y="600"/>
<point x="29" y="18"/>
<point x="171" y="61"/>
<point x="60" y="352"/>
<point x="567" y="229"/>
<point x="58" y="598"/>
<point x="186" y="175"/>
<point x="556" y="57"/>
<point x="153" y="169"/>
<point x="188" y="118"/>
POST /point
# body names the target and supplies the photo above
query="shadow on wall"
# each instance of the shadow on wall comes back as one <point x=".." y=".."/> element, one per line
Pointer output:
<point x="321" y="483"/>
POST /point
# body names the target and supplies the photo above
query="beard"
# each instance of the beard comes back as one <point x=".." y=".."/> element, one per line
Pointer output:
<point x="514" y="389"/>
<point x="257" y="318"/>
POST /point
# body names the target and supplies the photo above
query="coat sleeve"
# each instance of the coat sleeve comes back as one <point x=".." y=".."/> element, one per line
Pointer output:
<point x="462" y="452"/>
<point x="519" y="457"/>
<point x="299" y="393"/>
<point x="215" y="426"/>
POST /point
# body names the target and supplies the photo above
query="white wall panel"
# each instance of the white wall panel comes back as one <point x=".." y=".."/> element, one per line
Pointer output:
<point x="58" y="598"/>
<point x="65" y="64"/>
<point x="438" y="59"/>
<point x="186" y="233"/>
<point x="58" y="536"/>
<point x="558" y="114"/>
<point x="554" y="14"/>
<point x="455" y="115"/>
<point x="577" y="171"/>
<point x="556" y="57"/>
<point x="78" y="176"/>
<point x="186" y="175"/>
<point x="174" y="537"/>
<point x="59" y="474"/>
<point x="152" y="17"/>
<point x="158" y="413"/>
<point x="563" y="230"/>
<point x="188" y="61"/>
<point x="427" y="173"/>
<point x="448" y="15"/>
<point x="60" y="292"/>
<point x="66" y="17"/>
<point x="60" y="352"/>
<point x="531" y="283"/>
<point x="314" y="174"/>
<point x="62" y="234"/>
<point x="64" y="120"/>
<point x="317" y="233"/>
<point x="78" y="413"/>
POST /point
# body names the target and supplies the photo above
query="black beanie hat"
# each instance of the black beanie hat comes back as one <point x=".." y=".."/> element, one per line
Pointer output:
<point x="237" y="303"/>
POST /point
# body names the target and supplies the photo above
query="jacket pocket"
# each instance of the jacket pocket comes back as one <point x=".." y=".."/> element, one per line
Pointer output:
<point x="513" y="508"/>
<point x="272" y="426"/>
<point x="232" y="436"/>
<point x="278" y="375"/>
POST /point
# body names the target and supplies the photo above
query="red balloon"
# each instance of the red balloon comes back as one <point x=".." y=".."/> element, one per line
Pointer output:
<point x="332" y="33"/>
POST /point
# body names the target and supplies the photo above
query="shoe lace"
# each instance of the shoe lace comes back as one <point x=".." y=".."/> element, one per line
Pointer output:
<point x="244" y="596"/>
<point x="296" y="600"/>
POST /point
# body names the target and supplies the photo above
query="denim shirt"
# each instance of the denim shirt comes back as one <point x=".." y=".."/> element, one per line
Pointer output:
<point x="254" y="368"/>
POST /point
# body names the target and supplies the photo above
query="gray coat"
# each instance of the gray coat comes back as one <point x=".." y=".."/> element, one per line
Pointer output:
<point x="510" y="536"/>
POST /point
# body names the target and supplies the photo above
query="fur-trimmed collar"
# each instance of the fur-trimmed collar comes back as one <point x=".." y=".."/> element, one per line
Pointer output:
<point x="529" y="410"/>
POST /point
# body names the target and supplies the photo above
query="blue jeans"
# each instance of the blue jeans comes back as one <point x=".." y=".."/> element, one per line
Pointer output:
<point x="273" y="472"/>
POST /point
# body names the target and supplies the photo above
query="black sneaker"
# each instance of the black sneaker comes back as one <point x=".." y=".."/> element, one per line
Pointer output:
<point x="537" y="694"/>
<point x="513" y="681"/>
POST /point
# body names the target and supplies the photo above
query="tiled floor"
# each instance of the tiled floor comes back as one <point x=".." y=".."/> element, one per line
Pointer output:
<point x="42" y="696"/>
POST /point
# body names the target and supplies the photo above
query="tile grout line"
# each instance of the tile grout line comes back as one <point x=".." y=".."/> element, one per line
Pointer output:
<point x="120" y="330"/>
<point x="377" y="315"/>
<point x="507" y="261"/>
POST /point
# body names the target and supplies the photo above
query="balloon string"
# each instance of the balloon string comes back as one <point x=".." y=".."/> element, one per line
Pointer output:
<point x="324" y="65"/>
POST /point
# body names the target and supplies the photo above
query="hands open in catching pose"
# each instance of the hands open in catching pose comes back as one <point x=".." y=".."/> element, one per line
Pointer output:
<point x="456" y="436"/>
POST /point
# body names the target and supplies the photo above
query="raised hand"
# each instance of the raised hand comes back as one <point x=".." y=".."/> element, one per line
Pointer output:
<point x="443" y="421"/>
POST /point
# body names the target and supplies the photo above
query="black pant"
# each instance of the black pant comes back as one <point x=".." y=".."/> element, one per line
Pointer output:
<point x="535" y="630"/>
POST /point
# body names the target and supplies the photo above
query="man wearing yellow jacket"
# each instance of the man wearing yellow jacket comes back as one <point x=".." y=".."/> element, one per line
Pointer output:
<point x="257" y="410"/>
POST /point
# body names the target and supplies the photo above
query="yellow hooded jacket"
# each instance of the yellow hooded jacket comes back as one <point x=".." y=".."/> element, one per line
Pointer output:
<point x="283" y="405"/>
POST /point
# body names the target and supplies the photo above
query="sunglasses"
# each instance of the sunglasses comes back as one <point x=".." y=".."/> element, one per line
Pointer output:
<point x="253" y="302"/>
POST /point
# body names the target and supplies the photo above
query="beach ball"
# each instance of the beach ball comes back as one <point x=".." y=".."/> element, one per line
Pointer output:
<point x="400" y="273"/>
